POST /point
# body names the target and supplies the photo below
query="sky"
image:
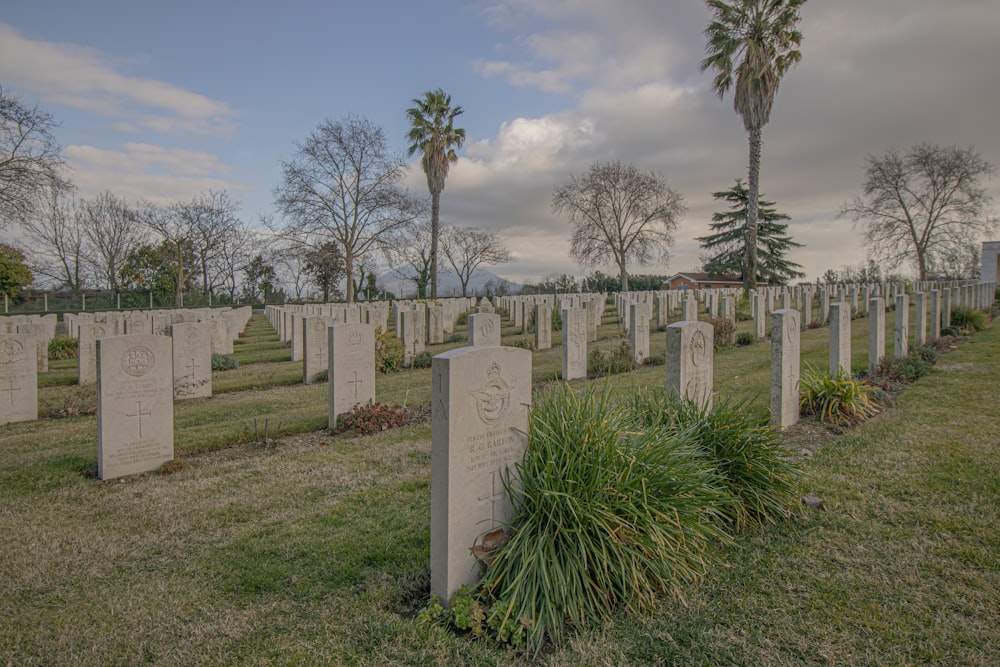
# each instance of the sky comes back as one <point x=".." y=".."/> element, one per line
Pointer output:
<point x="163" y="101"/>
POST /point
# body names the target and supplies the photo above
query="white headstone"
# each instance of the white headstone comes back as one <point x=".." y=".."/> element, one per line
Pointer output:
<point x="840" y="338"/>
<point x="574" y="343"/>
<point x="484" y="329"/>
<point x="18" y="378"/>
<point x="480" y="401"/>
<point x="690" y="361"/>
<point x="192" y="355"/>
<point x="352" y="368"/>
<point x="135" y="407"/>
<point x="785" y="347"/>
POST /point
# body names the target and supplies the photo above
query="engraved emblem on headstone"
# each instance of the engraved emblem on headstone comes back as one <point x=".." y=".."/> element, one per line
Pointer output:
<point x="493" y="398"/>
<point x="354" y="339"/>
<point x="486" y="328"/>
<point x="191" y="335"/>
<point x="698" y="347"/>
<point x="11" y="351"/>
<point x="137" y="361"/>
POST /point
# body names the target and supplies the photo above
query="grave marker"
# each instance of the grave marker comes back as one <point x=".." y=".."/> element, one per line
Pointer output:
<point x="18" y="378"/>
<point x="352" y="368"/>
<point x="690" y="364"/>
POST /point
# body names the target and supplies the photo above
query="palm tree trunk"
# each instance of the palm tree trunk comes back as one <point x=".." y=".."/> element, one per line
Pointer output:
<point x="349" y="270"/>
<point x="435" y="232"/>
<point x="753" y="185"/>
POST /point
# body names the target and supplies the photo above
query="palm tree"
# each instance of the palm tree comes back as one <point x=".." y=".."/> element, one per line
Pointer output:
<point x="432" y="132"/>
<point x="755" y="42"/>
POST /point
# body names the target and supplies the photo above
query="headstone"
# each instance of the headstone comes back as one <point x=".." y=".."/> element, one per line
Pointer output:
<point x="920" y="319"/>
<point x="728" y="309"/>
<point x="757" y="305"/>
<point x="135" y="406"/>
<point x="480" y="401"/>
<point x="315" y="357"/>
<point x="785" y="346"/>
<point x="435" y="325"/>
<point x="40" y="334"/>
<point x="901" y="336"/>
<point x="485" y="306"/>
<point x="18" y="378"/>
<point x="352" y="367"/>
<point x="413" y="343"/>
<point x="543" y="326"/>
<point x="639" y="331"/>
<point x="574" y="343"/>
<point x="935" y="316"/>
<point x="297" y="338"/>
<point x="840" y="338"/>
<point x="689" y="310"/>
<point x="87" y="351"/>
<point x="192" y="359"/>
<point x="876" y="332"/>
<point x="484" y="329"/>
<point x="690" y="364"/>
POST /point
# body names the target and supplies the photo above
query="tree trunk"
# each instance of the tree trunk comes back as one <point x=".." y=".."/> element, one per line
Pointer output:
<point x="435" y="232"/>
<point x="623" y="275"/>
<point x="753" y="186"/>
<point x="349" y="270"/>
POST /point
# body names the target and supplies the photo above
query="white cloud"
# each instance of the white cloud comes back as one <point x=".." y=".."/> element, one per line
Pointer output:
<point x="874" y="74"/>
<point x="83" y="78"/>
<point x="144" y="171"/>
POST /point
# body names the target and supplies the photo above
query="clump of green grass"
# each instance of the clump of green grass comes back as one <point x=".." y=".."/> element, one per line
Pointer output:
<point x="389" y="351"/>
<point x="968" y="320"/>
<point x="224" y="362"/>
<point x="753" y="465"/>
<point x="610" y="362"/>
<point x="838" y="399"/>
<point x="608" y="518"/>
<point x="63" y="347"/>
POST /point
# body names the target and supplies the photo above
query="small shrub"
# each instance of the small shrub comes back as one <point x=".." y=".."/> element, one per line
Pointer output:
<point x="523" y="343"/>
<point x="375" y="417"/>
<point x="908" y="369"/>
<point x="422" y="360"/>
<point x="655" y="360"/>
<point x="611" y="362"/>
<point x="556" y="319"/>
<point x="838" y="399"/>
<point x="172" y="466"/>
<point x="968" y="320"/>
<point x="607" y="518"/>
<point x="725" y="331"/>
<point x="389" y="351"/>
<point x="814" y="324"/>
<point x="743" y="313"/>
<point x="63" y="347"/>
<point x="455" y="337"/>
<point x="950" y="332"/>
<point x="322" y="376"/>
<point x="224" y="362"/>
<point x="745" y="338"/>
<point x="463" y="320"/>
<point x="739" y="445"/>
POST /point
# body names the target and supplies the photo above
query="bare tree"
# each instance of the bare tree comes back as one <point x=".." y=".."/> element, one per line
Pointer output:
<point x="213" y="218"/>
<point x="289" y="263"/>
<point x="345" y="185"/>
<point x="234" y="252"/>
<point x="619" y="214"/>
<point x="923" y="206"/>
<point x="58" y="242"/>
<point x="112" y="228"/>
<point x="30" y="159"/>
<point x="177" y="225"/>
<point x="468" y="248"/>
<point x="409" y="254"/>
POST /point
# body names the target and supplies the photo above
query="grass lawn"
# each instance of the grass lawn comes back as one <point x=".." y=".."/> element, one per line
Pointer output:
<point x="316" y="551"/>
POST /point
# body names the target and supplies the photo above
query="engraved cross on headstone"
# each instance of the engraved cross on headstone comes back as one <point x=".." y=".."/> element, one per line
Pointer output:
<point x="10" y="388"/>
<point x="356" y="381"/>
<point x="494" y="496"/>
<point x="191" y="366"/>
<point x="139" y="414"/>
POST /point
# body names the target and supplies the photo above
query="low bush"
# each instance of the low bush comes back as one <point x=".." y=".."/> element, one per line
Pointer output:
<point x="63" y="347"/>
<point x="752" y="463"/>
<point x="389" y="351"/>
<point x="224" y="362"/>
<point x="838" y="399"/>
<point x="725" y="331"/>
<point x="610" y="362"/>
<point x="422" y="360"/>
<point x="375" y="417"/>
<point x="745" y="338"/>
<point x="968" y="320"/>
<point x="814" y="324"/>
<point x="910" y="368"/>
<point x="654" y="360"/>
<point x="455" y="337"/>
<point x="556" y="319"/>
<point x="322" y="376"/>
<point x="608" y="518"/>
<point x="463" y="320"/>
<point x="523" y="343"/>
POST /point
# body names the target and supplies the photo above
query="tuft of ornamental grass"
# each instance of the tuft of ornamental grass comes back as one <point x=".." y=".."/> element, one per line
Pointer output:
<point x="968" y="320"/>
<point x="838" y="399"/>
<point x="224" y="362"/>
<point x="608" y="518"/>
<point x="753" y="465"/>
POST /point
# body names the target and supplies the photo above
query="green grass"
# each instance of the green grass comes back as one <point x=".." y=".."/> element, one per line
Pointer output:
<point x="315" y="551"/>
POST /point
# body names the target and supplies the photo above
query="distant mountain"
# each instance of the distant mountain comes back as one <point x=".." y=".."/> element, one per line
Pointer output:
<point x="448" y="284"/>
